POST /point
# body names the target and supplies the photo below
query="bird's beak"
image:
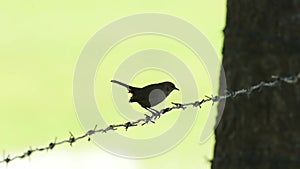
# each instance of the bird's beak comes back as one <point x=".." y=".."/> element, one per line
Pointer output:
<point x="175" y="88"/>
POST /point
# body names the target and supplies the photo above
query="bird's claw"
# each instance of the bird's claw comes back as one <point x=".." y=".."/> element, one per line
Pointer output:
<point x="156" y="115"/>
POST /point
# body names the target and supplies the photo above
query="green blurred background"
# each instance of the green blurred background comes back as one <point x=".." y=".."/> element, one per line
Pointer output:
<point x="40" y="44"/>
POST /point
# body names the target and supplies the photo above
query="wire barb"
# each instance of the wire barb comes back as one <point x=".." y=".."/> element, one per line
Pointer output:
<point x="72" y="139"/>
<point x="275" y="81"/>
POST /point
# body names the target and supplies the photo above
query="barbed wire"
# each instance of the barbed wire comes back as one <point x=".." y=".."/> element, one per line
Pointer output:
<point x="276" y="80"/>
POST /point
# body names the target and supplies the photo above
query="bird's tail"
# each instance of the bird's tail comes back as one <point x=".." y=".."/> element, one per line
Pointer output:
<point x="120" y="83"/>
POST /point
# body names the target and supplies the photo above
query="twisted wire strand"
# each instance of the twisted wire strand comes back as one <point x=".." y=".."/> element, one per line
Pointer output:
<point x="276" y="80"/>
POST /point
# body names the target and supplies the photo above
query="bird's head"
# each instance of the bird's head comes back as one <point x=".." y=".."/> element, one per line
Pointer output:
<point x="169" y="87"/>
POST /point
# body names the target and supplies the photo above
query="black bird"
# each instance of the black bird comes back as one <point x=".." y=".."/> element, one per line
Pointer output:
<point x="150" y="95"/>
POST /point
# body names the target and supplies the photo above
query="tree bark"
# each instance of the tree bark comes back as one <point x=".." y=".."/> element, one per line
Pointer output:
<point x="262" y="130"/>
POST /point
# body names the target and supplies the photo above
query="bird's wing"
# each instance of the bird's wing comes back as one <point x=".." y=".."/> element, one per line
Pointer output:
<point x="156" y="96"/>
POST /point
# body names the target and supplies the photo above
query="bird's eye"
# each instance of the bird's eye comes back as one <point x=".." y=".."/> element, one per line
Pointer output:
<point x="169" y="88"/>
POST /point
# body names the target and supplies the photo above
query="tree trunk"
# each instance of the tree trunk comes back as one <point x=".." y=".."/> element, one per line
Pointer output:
<point x="262" y="130"/>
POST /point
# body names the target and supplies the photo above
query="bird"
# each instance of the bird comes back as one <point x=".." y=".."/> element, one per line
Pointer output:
<point x="150" y="95"/>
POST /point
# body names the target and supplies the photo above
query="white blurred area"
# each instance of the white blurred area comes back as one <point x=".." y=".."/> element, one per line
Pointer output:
<point x="75" y="157"/>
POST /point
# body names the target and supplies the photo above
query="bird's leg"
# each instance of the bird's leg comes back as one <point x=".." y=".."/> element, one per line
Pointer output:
<point x="151" y="111"/>
<point x="154" y="112"/>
